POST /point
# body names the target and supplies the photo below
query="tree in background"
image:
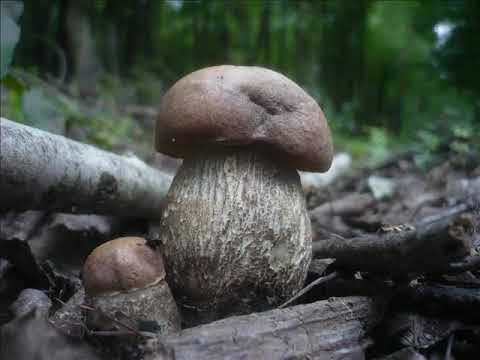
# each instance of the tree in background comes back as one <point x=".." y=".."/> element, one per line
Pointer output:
<point x="370" y="63"/>
<point x="459" y="54"/>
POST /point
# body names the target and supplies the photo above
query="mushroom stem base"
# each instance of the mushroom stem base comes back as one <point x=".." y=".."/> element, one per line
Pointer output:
<point x="154" y="303"/>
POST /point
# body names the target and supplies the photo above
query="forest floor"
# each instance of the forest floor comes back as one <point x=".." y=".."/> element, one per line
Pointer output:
<point x="432" y="293"/>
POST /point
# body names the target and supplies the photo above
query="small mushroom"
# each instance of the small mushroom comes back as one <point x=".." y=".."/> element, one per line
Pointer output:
<point x="235" y="228"/>
<point x="126" y="277"/>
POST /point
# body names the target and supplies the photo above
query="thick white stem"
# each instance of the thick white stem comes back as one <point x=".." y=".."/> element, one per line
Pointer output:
<point x="235" y="230"/>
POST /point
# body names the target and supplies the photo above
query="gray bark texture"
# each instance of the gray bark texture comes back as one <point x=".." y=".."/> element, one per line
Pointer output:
<point x="82" y="47"/>
<point x="40" y="170"/>
<point x="235" y="231"/>
<point x="331" y="329"/>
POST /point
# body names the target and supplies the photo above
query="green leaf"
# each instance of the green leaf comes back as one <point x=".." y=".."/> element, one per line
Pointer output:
<point x="13" y="84"/>
<point x="10" y="11"/>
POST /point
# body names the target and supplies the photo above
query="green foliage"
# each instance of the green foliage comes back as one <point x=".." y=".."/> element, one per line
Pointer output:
<point x="104" y="129"/>
<point x="33" y="102"/>
<point x="379" y="147"/>
<point x="378" y="68"/>
<point x="12" y="89"/>
<point x="371" y="147"/>
<point x="455" y="138"/>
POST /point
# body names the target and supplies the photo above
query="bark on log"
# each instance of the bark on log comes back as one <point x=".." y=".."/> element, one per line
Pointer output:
<point x="332" y="329"/>
<point x="49" y="172"/>
<point x="429" y="246"/>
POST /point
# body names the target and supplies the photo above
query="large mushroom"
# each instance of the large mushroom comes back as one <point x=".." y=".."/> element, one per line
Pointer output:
<point x="235" y="228"/>
<point x="126" y="276"/>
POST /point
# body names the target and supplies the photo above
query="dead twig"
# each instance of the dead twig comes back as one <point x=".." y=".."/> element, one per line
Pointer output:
<point x="427" y="247"/>
<point x="111" y="318"/>
<point x="307" y="288"/>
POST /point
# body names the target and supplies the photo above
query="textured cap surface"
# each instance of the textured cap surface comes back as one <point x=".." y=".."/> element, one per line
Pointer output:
<point x="240" y="105"/>
<point x="121" y="265"/>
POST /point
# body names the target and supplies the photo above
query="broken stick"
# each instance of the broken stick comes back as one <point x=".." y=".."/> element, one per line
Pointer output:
<point x="349" y="205"/>
<point x="428" y="247"/>
<point x="440" y="300"/>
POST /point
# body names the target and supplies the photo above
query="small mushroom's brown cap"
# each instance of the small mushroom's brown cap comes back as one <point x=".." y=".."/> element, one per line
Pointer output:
<point x="122" y="265"/>
<point x="240" y="105"/>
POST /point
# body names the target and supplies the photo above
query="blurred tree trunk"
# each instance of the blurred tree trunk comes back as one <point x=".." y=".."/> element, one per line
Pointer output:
<point x="298" y="45"/>
<point x="112" y="48"/>
<point x="204" y="43"/>
<point x="281" y="54"/>
<point x="381" y="92"/>
<point x="223" y="35"/>
<point x="139" y="33"/>
<point x="40" y="27"/>
<point x="263" y="40"/>
<point x="80" y="46"/>
<point x="304" y="38"/>
<point x="196" y="32"/>
<point x="343" y="42"/>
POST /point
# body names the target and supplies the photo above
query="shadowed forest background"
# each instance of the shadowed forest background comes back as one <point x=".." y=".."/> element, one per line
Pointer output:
<point x="388" y="74"/>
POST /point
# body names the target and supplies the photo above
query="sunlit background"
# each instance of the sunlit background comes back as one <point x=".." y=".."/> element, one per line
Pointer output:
<point x="388" y="74"/>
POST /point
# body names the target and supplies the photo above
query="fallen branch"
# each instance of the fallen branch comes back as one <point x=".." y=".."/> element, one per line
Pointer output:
<point x="341" y="287"/>
<point x="429" y="246"/>
<point x="142" y="111"/>
<point x="335" y="329"/>
<point x="403" y="354"/>
<point x="470" y="263"/>
<point x="449" y="301"/>
<point x="328" y="218"/>
<point x="307" y="288"/>
<point x="349" y="205"/>
<point x="50" y="172"/>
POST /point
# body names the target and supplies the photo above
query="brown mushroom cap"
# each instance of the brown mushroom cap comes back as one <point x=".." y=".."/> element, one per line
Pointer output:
<point x="122" y="265"/>
<point x="240" y="105"/>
